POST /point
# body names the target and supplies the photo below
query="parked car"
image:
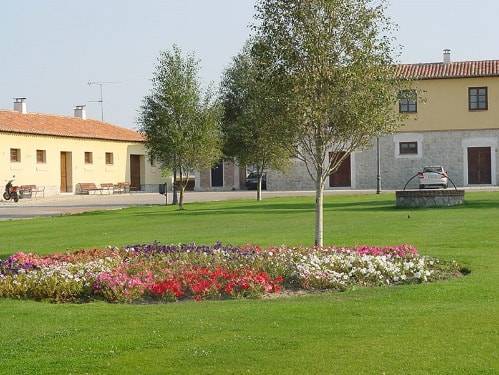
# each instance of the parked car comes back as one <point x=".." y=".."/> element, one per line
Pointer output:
<point x="433" y="176"/>
<point x="252" y="181"/>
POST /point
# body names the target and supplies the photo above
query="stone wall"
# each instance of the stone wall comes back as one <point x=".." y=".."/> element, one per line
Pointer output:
<point x="446" y="148"/>
<point x="204" y="179"/>
<point x="295" y="177"/>
<point x="231" y="179"/>
<point x="429" y="198"/>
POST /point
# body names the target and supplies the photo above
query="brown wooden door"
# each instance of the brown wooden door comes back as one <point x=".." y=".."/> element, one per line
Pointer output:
<point x="479" y="165"/>
<point x="342" y="176"/>
<point x="135" y="172"/>
<point x="64" y="172"/>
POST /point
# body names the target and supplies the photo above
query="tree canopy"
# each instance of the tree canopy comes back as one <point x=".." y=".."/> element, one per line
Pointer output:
<point x="336" y="59"/>
<point x="181" y="123"/>
<point x="253" y="127"/>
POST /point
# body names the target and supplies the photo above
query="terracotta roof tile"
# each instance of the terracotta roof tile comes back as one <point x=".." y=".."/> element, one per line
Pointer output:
<point x="461" y="69"/>
<point x="62" y="126"/>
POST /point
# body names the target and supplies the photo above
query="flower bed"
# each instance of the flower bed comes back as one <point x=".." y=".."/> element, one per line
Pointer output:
<point x="156" y="272"/>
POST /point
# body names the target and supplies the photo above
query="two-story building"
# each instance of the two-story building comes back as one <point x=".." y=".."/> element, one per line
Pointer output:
<point x="60" y="152"/>
<point x="454" y="123"/>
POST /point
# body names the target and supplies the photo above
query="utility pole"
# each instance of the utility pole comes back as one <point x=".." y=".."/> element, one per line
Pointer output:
<point x="101" y="99"/>
<point x="378" y="167"/>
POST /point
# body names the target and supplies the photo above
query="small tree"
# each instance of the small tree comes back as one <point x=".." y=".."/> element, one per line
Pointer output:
<point x="180" y="123"/>
<point x="336" y="57"/>
<point x="254" y="133"/>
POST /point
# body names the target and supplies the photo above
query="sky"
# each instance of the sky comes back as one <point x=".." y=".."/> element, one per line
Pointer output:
<point x="51" y="49"/>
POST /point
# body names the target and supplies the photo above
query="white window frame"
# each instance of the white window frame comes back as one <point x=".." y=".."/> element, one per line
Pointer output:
<point x="408" y="137"/>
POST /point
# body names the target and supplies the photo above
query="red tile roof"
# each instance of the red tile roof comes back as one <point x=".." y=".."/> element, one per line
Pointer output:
<point x="460" y="69"/>
<point x="62" y="126"/>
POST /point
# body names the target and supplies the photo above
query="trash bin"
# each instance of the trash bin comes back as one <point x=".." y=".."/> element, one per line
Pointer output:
<point x="162" y="189"/>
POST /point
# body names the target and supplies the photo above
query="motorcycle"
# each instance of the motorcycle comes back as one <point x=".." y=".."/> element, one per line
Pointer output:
<point x="11" y="192"/>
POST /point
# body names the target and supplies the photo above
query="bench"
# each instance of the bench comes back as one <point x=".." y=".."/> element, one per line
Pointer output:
<point x="121" y="187"/>
<point x="87" y="187"/>
<point x="27" y="191"/>
<point x="109" y="187"/>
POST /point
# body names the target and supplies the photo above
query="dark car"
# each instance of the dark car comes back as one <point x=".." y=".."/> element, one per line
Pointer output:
<point x="252" y="181"/>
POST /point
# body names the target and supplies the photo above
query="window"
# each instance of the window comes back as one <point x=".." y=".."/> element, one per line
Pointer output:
<point x="408" y="101"/>
<point x="109" y="158"/>
<point x="41" y="156"/>
<point x="408" y="145"/>
<point x="477" y="99"/>
<point x="89" y="158"/>
<point x="15" y="155"/>
<point x="408" y="148"/>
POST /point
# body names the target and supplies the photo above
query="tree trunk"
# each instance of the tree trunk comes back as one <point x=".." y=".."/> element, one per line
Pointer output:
<point x="181" y="199"/>
<point x="319" y="212"/>
<point x="174" y="188"/>
<point x="259" y="188"/>
<point x="182" y="188"/>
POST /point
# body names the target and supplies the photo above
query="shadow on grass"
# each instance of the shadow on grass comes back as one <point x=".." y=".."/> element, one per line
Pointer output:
<point x="276" y="207"/>
<point x="481" y="203"/>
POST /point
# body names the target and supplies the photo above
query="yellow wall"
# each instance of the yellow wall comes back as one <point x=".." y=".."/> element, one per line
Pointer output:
<point x="446" y="106"/>
<point x="29" y="172"/>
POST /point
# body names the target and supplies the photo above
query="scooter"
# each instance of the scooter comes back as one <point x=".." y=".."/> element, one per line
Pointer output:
<point x="11" y="192"/>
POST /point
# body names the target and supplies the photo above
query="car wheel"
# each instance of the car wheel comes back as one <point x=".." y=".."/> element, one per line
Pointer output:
<point x="445" y="186"/>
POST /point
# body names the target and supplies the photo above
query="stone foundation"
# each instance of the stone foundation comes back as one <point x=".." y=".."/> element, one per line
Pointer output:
<point x="446" y="148"/>
<point x="429" y="198"/>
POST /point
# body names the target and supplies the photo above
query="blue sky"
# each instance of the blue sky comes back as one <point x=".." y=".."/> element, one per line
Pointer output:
<point x="52" y="48"/>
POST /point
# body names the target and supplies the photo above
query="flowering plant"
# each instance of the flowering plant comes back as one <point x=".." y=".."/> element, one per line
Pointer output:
<point x="157" y="272"/>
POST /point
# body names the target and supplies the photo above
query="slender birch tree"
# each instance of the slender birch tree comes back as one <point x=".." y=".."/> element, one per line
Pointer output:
<point x="254" y="133"/>
<point x="181" y="124"/>
<point x="336" y="59"/>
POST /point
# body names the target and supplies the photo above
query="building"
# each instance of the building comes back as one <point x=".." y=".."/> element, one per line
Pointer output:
<point x="225" y="176"/>
<point x="59" y="152"/>
<point x="454" y="124"/>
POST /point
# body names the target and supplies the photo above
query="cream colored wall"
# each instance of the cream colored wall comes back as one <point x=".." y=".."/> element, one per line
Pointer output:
<point x="446" y="106"/>
<point x="28" y="171"/>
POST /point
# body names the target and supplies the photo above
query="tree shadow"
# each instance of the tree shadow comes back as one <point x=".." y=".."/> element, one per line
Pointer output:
<point x="285" y="208"/>
<point x="277" y="208"/>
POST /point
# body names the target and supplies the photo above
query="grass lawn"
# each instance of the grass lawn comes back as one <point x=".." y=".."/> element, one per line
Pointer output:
<point x="449" y="327"/>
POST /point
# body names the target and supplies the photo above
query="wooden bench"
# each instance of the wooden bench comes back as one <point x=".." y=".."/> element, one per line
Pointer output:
<point x="27" y="191"/>
<point x="121" y="187"/>
<point x="109" y="187"/>
<point x="87" y="187"/>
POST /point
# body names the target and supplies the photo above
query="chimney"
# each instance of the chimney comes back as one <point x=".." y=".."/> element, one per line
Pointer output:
<point x="447" y="56"/>
<point x="80" y="112"/>
<point x="20" y="105"/>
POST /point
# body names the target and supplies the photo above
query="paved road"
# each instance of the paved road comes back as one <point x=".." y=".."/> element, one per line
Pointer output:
<point x="71" y="204"/>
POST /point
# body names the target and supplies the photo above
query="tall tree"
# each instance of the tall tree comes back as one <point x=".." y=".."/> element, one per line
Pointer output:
<point x="336" y="58"/>
<point x="254" y="133"/>
<point x="181" y="123"/>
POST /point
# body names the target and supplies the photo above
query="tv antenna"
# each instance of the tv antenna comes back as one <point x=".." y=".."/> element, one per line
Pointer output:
<point x="101" y="99"/>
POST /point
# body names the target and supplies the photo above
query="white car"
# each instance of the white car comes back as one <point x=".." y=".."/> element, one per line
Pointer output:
<point x="435" y="176"/>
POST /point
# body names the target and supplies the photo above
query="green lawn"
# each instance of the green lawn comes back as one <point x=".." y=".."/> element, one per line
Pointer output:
<point x="448" y="327"/>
